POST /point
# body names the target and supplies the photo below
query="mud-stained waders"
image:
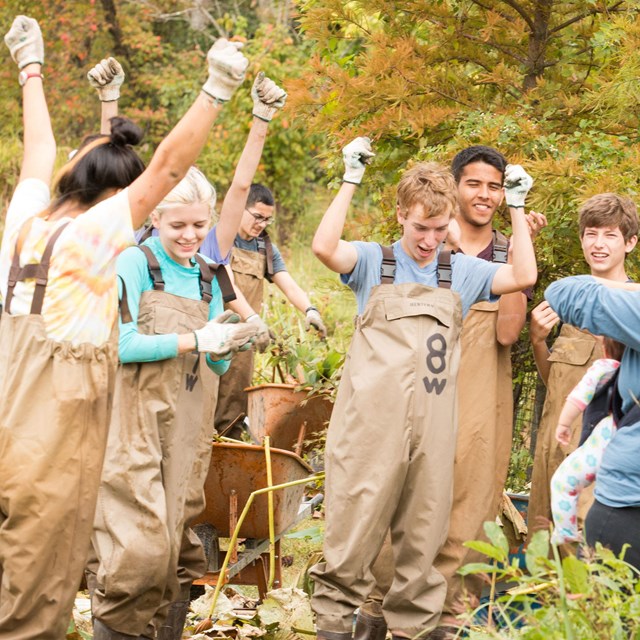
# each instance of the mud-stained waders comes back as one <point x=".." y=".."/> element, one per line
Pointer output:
<point x="144" y="554"/>
<point x="55" y="400"/>
<point x="389" y="458"/>
<point x="250" y="268"/>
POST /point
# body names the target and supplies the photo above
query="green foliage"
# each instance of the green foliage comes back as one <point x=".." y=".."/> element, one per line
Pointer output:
<point x="570" y="598"/>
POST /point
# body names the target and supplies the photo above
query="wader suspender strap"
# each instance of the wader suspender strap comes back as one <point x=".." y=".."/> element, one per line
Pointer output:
<point x="39" y="271"/>
<point x="266" y="249"/>
<point x="207" y="272"/>
<point x="147" y="232"/>
<point x="500" y="251"/>
<point x="123" y="304"/>
<point x="388" y="267"/>
<point x="622" y="419"/>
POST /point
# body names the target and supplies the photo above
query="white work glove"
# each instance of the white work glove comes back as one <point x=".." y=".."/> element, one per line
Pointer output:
<point x="263" y="337"/>
<point x="25" y="43"/>
<point x="224" y="335"/>
<point x="106" y="77"/>
<point x="314" y="319"/>
<point x="267" y="96"/>
<point x="227" y="68"/>
<point x="356" y="155"/>
<point x="517" y="183"/>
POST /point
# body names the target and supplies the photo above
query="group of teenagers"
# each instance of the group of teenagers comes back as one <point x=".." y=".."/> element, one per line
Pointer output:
<point x="115" y="354"/>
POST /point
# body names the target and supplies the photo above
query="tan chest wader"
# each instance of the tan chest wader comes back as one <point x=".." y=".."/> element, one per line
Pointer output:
<point x="157" y="459"/>
<point x="249" y="271"/>
<point x="573" y="353"/>
<point x="55" y="400"/>
<point x="483" y="448"/>
<point x="389" y="458"/>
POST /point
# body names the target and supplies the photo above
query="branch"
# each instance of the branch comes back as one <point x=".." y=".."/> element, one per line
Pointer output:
<point x="515" y="6"/>
<point x="586" y="14"/>
<point x="496" y="46"/>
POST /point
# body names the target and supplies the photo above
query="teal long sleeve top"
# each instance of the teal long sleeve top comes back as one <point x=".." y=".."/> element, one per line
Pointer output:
<point x="132" y="268"/>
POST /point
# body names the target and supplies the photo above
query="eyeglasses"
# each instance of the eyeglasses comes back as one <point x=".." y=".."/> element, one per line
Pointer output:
<point x="260" y="219"/>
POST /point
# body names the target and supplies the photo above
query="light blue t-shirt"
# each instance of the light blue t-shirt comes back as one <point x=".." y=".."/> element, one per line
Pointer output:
<point x="470" y="277"/>
<point x="584" y="303"/>
<point x="133" y="268"/>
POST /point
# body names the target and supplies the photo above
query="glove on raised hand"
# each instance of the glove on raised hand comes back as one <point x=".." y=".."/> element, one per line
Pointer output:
<point x="106" y="77"/>
<point x="356" y="155"/>
<point x="227" y="68"/>
<point x="314" y="319"/>
<point x="25" y="43"/>
<point x="263" y="337"/>
<point x="517" y="183"/>
<point x="267" y="96"/>
<point x="224" y="335"/>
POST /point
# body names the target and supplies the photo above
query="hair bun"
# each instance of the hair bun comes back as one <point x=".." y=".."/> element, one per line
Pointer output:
<point x="124" y="131"/>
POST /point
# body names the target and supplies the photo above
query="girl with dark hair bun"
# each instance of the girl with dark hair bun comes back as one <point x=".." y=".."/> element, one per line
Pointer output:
<point x="58" y="350"/>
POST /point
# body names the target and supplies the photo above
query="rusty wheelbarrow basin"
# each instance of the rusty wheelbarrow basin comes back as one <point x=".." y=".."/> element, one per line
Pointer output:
<point x="288" y="416"/>
<point x="238" y="469"/>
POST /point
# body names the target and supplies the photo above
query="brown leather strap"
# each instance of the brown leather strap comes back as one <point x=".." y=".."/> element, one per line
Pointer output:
<point x="265" y="247"/>
<point x="123" y="304"/>
<point x="38" y="271"/>
<point x="147" y="232"/>
<point x="154" y="268"/>
<point x="225" y="284"/>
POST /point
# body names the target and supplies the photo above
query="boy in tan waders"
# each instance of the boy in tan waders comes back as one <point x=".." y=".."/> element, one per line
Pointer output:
<point x="485" y="408"/>
<point x="608" y="227"/>
<point x="391" y="439"/>
<point x="254" y="258"/>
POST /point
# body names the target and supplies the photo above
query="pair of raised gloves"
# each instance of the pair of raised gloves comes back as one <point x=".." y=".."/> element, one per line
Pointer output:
<point x="358" y="154"/>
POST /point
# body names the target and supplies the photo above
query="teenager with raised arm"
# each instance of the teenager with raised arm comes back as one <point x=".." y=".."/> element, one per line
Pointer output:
<point x="395" y="412"/>
<point x="57" y="344"/>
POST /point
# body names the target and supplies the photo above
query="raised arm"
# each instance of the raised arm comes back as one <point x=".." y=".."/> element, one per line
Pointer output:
<point x="522" y="273"/>
<point x="543" y="319"/>
<point x="268" y="97"/>
<point x="25" y="43"/>
<point x="106" y="78"/>
<point x="336" y="254"/>
<point x="179" y="150"/>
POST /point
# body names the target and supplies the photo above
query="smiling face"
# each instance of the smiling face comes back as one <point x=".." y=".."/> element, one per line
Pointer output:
<point x="605" y="249"/>
<point x="480" y="193"/>
<point x="421" y="235"/>
<point x="250" y="227"/>
<point x="182" y="228"/>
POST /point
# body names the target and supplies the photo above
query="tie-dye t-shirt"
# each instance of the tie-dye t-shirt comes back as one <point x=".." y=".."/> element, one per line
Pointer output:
<point x="81" y="299"/>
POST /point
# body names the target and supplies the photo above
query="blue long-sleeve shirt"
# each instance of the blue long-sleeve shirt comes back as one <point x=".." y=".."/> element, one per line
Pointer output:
<point x="180" y="280"/>
<point x="615" y="313"/>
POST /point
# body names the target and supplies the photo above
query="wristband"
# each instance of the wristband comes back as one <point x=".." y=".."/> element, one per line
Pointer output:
<point x="311" y="308"/>
<point x="253" y="315"/>
<point x="515" y="206"/>
<point x="23" y="76"/>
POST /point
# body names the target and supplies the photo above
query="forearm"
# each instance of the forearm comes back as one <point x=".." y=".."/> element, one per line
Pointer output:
<point x="236" y="198"/>
<point x="541" y="356"/>
<point x="512" y="311"/>
<point x="292" y="290"/>
<point x="39" y="141"/>
<point x="525" y="271"/>
<point x="569" y="413"/>
<point x="241" y="306"/>
<point x="137" y="347"/>
<point x="584" y="303"/>
<point x="327" y="245"/>
<point x="108" y="110"/>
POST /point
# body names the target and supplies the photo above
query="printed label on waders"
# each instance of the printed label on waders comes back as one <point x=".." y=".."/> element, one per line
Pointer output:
<point x="192" y="378"/>
<point x="436" y="363"/>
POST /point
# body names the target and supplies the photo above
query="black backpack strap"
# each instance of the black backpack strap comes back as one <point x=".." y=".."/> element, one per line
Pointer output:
<point x="605" y="401"/>
<point x="623" y="419"/>
<point x="444" y="269"/>
<point x="37" y="271"/>
<point x="123" y="304"/>
<point x="388" y="266"/>
<point x="154" y="268"/>
<point x="500" y="251"/>
<point x="265" y="247"/>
